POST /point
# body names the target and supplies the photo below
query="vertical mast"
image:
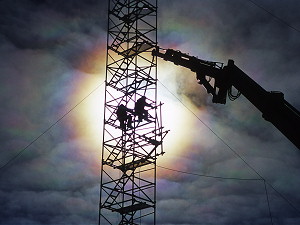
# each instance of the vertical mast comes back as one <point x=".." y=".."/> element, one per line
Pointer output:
<point x="132" y="130"/>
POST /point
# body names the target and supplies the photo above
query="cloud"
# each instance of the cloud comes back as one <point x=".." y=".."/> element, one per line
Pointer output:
<point x="42" y="207"/>
<point x="50" y="51"/>
<point x="68" y="31"/>
<point x="45" y="53"/>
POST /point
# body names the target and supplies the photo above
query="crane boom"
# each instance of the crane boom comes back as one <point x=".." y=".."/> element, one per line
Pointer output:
<point x="273" y="106"/>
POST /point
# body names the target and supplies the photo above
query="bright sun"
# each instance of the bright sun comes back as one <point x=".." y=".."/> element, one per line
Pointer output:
<point x="175" y="117"/>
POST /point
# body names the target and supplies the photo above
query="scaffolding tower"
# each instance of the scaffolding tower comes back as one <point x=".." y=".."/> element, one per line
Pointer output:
<point x="132" y="131"/>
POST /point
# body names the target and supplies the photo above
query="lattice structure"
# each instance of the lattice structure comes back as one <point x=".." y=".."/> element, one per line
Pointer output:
<point x="132" y="133"/>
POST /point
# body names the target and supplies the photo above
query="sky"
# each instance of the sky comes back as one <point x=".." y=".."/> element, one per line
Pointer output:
<point x="51" y="82"/>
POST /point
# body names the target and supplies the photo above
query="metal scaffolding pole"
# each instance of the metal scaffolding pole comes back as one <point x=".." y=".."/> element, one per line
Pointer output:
<point x="132" y="131"/>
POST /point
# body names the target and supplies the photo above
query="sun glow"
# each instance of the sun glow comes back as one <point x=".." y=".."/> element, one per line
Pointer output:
<point x="88" y="121"/>
<point x="89" y="92"/>
<point x="176" y="115"/>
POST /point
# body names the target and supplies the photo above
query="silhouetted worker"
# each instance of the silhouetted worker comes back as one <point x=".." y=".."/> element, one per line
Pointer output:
<point x="123" y="117"/>
<point x="140" y="110"/>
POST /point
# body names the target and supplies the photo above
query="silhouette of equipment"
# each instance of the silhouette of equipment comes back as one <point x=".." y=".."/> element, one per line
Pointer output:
<point x="273" y="106"/>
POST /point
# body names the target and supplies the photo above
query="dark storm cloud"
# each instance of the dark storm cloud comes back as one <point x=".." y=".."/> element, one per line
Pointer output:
<point x="68" y="29"/>
<point x="42" y="40"/>
<point x="213" y="201"/>
<point x="42" y="43"/>
<point x="31" y="207"/>
<point x="267" y="50"/>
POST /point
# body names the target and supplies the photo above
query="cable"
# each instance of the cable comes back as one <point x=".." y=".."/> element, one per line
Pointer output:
<point x="209" y="176"/>
<point x="284" y="198"/>
<point x="49" y="128"/>
<point x="227" y="178"/>
<point x="273" y="15"/>
<point x="211" y="130"/>
<point x="270" y="214"/>
<point x="258" y="174"/>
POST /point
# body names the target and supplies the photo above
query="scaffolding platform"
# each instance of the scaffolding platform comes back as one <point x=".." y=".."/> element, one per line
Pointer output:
<point x="136" y="49"/>
<point x="133" y="208"/>
<point x="133" y="165"/>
